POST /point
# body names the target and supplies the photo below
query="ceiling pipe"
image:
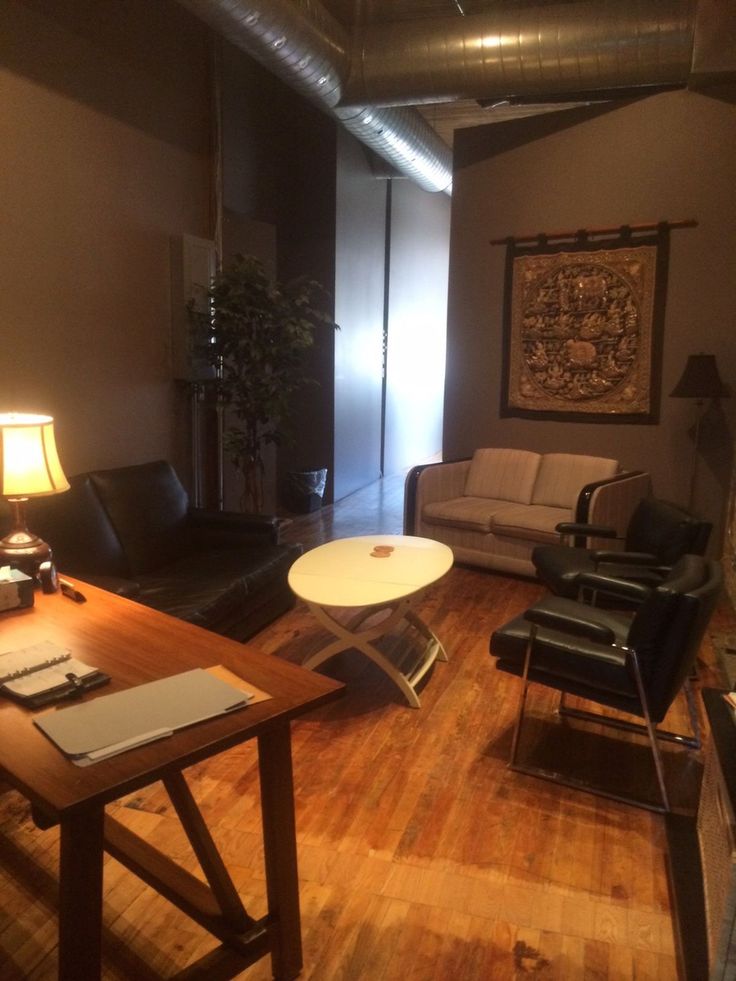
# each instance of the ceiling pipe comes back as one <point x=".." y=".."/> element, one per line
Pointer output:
<point x="580" y="49"/>
<point x="308" y="49"/>
<point x="524" y="51"/>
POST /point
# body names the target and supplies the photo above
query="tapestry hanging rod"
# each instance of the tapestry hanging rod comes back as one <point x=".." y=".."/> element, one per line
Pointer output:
<point x="581" y="234"/>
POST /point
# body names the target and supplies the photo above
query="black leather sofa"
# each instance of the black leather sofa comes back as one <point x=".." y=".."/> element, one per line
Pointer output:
<point x="132" y="530"/>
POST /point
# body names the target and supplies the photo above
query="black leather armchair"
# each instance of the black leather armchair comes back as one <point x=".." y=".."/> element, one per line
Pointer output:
<point x="132" y="530"/>
<point x="635" y="665"/>
<point x="657" y="535"/>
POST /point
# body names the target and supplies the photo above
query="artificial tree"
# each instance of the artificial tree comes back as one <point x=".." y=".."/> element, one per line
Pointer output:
<point x="255" y="332"/>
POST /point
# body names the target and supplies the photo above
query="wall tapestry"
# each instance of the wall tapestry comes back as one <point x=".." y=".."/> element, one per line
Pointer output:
<point x="582" y="328"/>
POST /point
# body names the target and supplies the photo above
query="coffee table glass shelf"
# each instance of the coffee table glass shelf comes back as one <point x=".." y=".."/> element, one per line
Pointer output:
<point x="363" y="589"/>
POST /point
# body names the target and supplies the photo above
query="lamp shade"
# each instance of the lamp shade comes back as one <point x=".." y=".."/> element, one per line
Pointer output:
<point x="29" y="462"/>
<point x="700" y="379"/>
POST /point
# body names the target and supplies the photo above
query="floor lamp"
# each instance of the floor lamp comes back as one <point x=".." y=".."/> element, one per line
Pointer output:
<point x="700" y="381"/>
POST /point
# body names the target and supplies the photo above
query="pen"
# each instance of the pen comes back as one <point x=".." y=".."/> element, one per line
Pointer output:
<point x="70" y="591"/>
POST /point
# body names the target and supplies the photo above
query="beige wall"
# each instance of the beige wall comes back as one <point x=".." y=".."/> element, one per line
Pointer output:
<point x="669" y="156"/>
<point x="104" y="145"/>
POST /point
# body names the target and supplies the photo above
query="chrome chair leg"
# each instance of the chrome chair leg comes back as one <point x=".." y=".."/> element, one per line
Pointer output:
<point x="556" y="777"/>
<point x="651" y="729"/>
<point x="522" y="697"/>
<point x="692" y="712"/>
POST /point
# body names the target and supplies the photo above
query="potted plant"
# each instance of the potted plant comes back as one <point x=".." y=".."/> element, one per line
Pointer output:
<point x="256" y="333"/>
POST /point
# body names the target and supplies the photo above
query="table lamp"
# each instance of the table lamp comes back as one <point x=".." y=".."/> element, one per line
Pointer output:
<point x="700" y="381"/>
<point x="29" y="467"/>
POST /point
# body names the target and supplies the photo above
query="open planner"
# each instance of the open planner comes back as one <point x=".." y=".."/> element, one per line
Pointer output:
<point x="45" y="672"/>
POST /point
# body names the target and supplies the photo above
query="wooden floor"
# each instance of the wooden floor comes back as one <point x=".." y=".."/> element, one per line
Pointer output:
<point x="421" y="855"/>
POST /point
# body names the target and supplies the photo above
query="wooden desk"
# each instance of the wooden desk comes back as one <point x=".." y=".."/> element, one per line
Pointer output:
<point x="134" y="644"/>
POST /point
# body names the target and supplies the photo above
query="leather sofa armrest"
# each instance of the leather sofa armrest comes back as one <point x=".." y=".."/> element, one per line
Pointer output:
<point x="231" y="529"/>
<point x="431" y="482"/>
<point x="115" y="584"/>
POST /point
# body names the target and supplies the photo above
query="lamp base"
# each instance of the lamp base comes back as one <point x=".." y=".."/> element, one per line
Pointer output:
<point x="24" y="555"/>
<point x="20" y="548"/>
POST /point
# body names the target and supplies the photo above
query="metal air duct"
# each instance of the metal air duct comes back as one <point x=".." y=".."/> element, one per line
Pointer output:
<point x="565" y="49"/>
<point x="308" y="49"/>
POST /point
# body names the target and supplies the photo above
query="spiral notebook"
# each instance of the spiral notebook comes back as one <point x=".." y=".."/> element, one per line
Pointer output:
<point x="45" y="672"/>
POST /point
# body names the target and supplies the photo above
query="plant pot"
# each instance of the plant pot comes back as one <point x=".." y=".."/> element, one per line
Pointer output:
<point x="305" y="489"/>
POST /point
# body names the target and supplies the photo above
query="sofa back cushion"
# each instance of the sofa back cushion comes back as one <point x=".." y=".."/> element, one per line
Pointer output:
<point x="503" y="475"/>
<point x="76" y="526"/>
<point x="148" y="508"/>
<point x="562" y="476"/>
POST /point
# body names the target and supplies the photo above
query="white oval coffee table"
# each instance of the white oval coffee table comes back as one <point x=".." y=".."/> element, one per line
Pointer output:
<point x="344" y="574"/>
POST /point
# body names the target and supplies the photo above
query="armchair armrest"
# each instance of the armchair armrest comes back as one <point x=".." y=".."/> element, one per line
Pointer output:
<point x="624" y="588"/>
<point x="230" y="529"/>
<point x="561" y="617"/>
<point x="624" y="558"/>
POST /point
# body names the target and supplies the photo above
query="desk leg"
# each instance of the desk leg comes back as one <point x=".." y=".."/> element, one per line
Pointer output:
<point x="80" y="897"/>
<point x="279" y="836"/>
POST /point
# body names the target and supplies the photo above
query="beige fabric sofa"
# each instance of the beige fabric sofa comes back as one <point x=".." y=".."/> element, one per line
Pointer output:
<point x="493" y="509"/>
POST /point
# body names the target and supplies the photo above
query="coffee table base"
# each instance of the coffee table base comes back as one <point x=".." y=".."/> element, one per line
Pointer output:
<point x="407" y="671"/>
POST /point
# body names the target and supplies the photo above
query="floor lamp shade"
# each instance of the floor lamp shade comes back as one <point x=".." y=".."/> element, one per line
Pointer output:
<point x="700" y="379"/>
<point x="29" y="467"/>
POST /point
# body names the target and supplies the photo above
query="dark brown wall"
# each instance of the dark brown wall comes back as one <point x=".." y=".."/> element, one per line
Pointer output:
<point x="104" y="154"/>
<point x="669" y="156"/>
<point x="279" y="169"/>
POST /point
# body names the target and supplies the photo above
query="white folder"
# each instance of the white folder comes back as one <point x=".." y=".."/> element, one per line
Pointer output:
<point x="114" y="723"/>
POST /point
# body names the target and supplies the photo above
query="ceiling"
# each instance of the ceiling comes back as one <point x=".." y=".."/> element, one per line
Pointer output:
<point x="444" y="117"/>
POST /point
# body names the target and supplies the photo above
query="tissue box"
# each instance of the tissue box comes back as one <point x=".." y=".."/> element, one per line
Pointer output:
<point x="16" y="589"/>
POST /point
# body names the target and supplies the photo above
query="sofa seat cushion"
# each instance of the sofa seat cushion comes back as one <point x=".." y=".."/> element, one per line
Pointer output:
<point x="503" y="475"/>
<point x="562" y="476"/>
<point x="209" y="588"/>
<point x="473" y="513"/>
<point x="534" y="522"/>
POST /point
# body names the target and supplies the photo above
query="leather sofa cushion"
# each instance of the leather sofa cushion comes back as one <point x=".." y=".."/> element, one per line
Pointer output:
<point x="473" y="513"/>
<point x="147" y="506"/>
<point x="562" y="475"/>
<point x="532" y="522"/>
<point x="503" y="475"/>
<point x="79" y="532"/>
<point x="210" y="588"/>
